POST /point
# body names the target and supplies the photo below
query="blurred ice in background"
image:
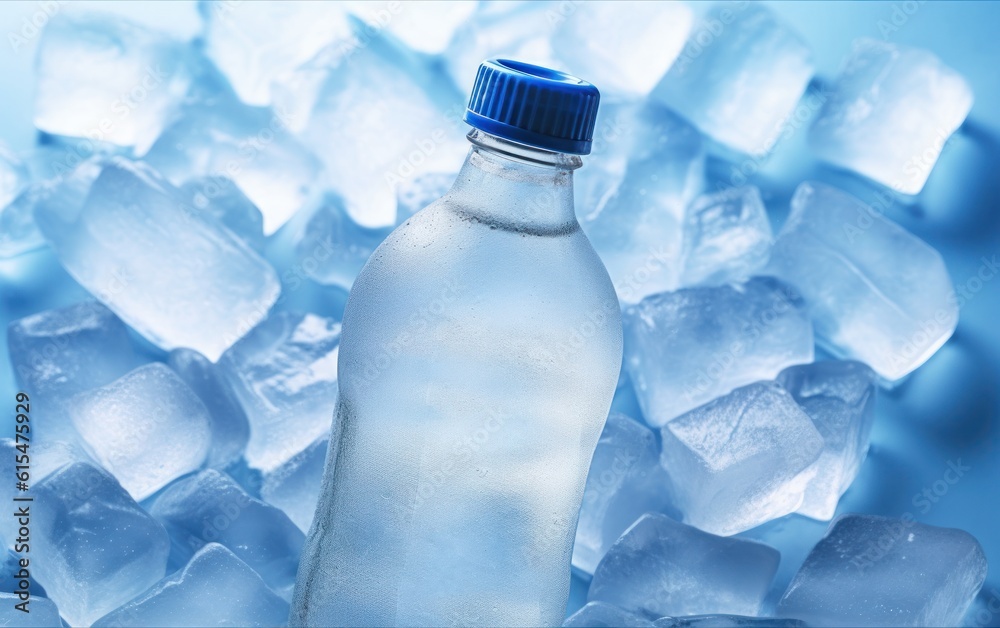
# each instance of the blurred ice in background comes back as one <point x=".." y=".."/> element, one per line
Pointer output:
<point x="188" y="190"/>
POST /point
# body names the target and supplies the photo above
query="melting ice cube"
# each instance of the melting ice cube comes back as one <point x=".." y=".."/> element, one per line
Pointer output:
<point x="106" y="78"/>
<point x="687" y="347"/>
<point x="875" y="291"/>
<point x="877" y="571"/>
<point x="93" y="547"/>
<point x="177" y="279"/>
<point x="839" y="397"/>
<point x="285" y="375"/>
<point x="727" y="237"/>
<point x="889" y="113"/>
<point x="661" y="567"/>
<point x="147" y="428"/>
<point x="741" y="460"/>
<point x="622" y="47"/>
<point x="214" y="589"/>
<point x="739" y="76"/>
<point x="210" y="507"/>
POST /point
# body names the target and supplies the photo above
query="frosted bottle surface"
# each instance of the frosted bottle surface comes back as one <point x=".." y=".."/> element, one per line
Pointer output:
<point x="479" y="355"/>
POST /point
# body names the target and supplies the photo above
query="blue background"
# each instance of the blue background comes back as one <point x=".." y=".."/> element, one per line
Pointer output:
<point x="949" y="410"/>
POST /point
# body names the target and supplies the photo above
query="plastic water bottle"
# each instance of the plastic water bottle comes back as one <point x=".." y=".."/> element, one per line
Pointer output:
<point x="480" y="352"/>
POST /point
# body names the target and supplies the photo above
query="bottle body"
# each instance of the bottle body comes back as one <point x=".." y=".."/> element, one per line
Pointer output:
<point x="480" y="352"/>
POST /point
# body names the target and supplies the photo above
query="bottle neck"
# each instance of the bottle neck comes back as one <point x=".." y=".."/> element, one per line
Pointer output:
<point x="516" y="187"/>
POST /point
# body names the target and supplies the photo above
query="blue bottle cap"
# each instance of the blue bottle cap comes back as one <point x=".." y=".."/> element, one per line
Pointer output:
<point x="532" y="105"/>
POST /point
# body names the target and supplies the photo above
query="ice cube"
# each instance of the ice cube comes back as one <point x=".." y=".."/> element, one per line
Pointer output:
<point x="285" y="375"/>
<point x="39" y="612"/>
<point x="417" y="193"/>
<point x="382" y="116"/>
<point x="294" y="486"/>
<point x="210" y="507"/>
<point x="727" y="237"/>
<point x="11" y="581"/>
<point x="178" y="280"/>
<point x="510" y="30"/>
<point x="106" y="78"/>
<point x="64" y="188"/>
<point x="878" y="571"/>
<point x="662" y="567"/>
<point x="334" y="248"/>
<point x="58" y="353"/>
<point x="618" y="134"/>
<point x="14" y="175"/>
<point x="637" y="230"/>
<point x="875" y="291"/>
<point x="219" y="198"/>
<point x="425" y="26"/>
<point x="889" y="113"/>
<point x="625" y="481"/>
<point x="631" y="49"/>
<point x="215" y="589"/>
<point x="741" y="460"/>
<point x="601" y="615"/>
<point x="245" y="41"/>
<point x="253" y="147"/>
<point x="147" y="428"/>
<point x="839" y="397"/>
<point x="228" y="421"/>
<point x="739" y="77"/>
<point x="93" y="547"/>
<point x="727" y="621"/>
<point x="18" y="233"/>
<point x="687" y="347"/>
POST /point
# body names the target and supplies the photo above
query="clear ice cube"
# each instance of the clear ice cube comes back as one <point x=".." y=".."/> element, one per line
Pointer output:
<point x="93" y="547"/>
<point x="878" y="571"/>
<point x="218" y="139"/>
<point x="41" y="612"/>
<point x="727" y="237"/>
<point x="685" y="348"/>
<point x="423" y="25"/>
<point x="661" y="567"/>
<point x="58" y="353"/>
<point x="14" y="175"/>
<point x="509" y="30"/>
<point x="228" y="421"/>
<point x="741" y="460"/>
<point x="210" y="506"/>
<point x="739" y="77"/>
<point x="876" y="292"/>
<point x="132" y="227"/>
<point x="625" y="482"/>
<point x="889" y="113"/>
<point x="294" y="486"/>
<point x="18" y="233"/>
<point x="284" y="373"/>
<point x="637" y="229"/>
<point x="839" y="397"/>
<point x="214" y="589"/>
<point x="219" y="198"/>
<point x="147" y="428"/>
<point x="334" y="248"/>
<point x="245" y="41"/>
<point x="106" y="78"/>
<point x="384" y="115"/>
<point x="631" y="50"/>
<point x="601" y="615"/>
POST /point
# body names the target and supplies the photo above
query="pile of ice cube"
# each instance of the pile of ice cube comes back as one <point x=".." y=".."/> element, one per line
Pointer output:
<point x="214" y="196"/>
